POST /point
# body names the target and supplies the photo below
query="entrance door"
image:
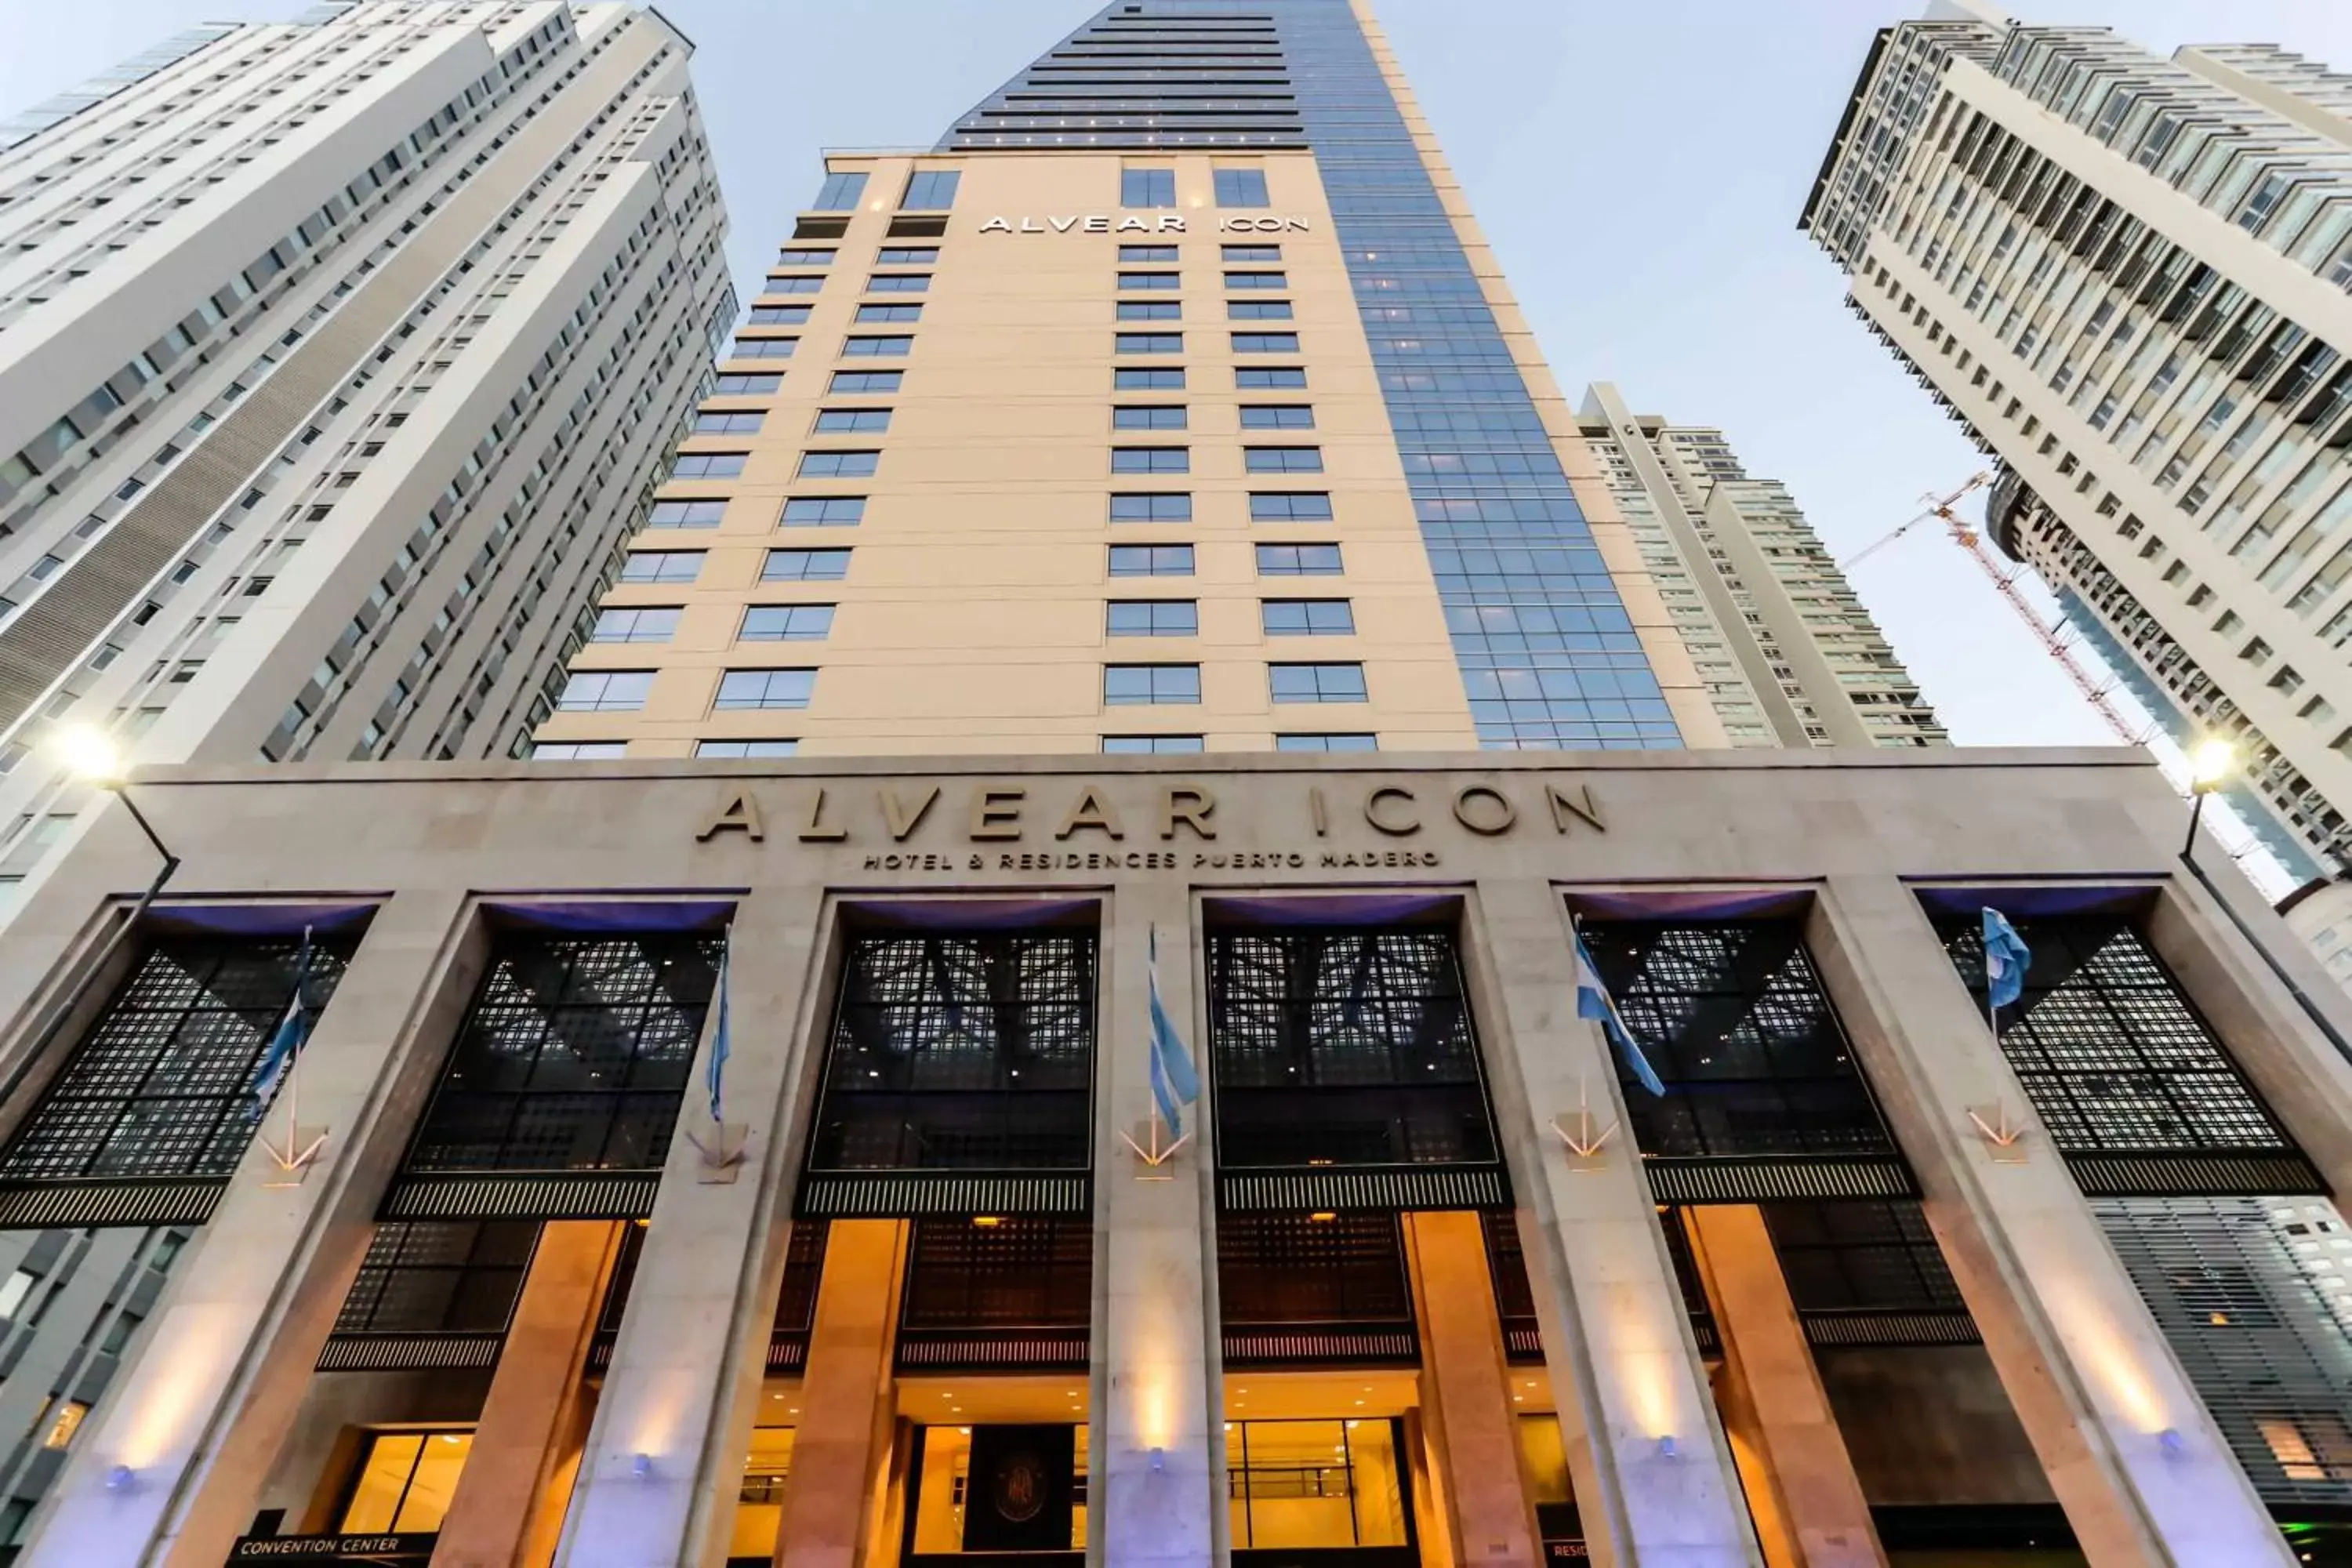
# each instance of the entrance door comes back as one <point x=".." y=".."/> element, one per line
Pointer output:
<point x="1018" y="1497"/>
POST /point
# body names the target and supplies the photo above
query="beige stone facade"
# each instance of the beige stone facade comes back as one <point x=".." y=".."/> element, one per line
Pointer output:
<point x="219" y="1414"/>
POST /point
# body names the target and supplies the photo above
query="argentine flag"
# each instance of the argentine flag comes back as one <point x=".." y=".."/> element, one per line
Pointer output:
<point x="1174" y="1084"/>
<point x="2006" y="960"/>
<point x="292" y="1031"/>
<point x="715" y="1075"/>
<point x="1592" y="1002"/>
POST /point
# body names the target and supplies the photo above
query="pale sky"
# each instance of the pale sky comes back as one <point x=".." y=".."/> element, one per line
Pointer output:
<point x="1639" y="169"/>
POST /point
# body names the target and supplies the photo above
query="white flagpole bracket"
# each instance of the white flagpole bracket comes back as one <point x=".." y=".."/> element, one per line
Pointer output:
<point x="721" y="1145"/>
<point x="1153" y="1148"/>
<point x="1587" y="1140"/>
<point x="2003" y="1134"/>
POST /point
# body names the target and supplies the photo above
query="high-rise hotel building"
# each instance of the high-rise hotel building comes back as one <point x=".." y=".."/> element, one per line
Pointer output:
<point x="1784" y="648"/>
<point x="2125" y="276"/>
<point x="337" y="359"/>
<point x="953" y="1146"/>
<point x="1172" y="402"/>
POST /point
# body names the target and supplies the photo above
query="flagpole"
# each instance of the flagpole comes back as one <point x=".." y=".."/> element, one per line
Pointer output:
<point x="294" y="1062"/>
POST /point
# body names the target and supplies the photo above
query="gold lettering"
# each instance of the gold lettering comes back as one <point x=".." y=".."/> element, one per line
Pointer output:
<point x="739" y="815"/>
<point x="900" y="820"/>
<point x="1582" y="805"/>
<point x="1497" y="816"/>
<point x="816" y="831"/>
<point x="996" y="813"/>
<point x="1089" y="811"/>
<point x="1189" y="804"/>
<point x="1382" y="820"/>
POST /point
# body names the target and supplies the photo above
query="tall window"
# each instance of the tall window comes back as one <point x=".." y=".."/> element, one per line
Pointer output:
<point x="839" y="194"/>
<point x="1735" y="1021"/>
<point x="929" y="190"/>
<point x="960" y="1051"/>
<point x="574" y="1056"/>
<point x="1348" y="1045"/>
<point x="2107" y="1048"/>
<point x="1147" y="188"/>
<point x="163" y="1085"/>
<point x="439" y="1277"/>
<point x="1298" y="1485"/>
<point x="404" y="1482"/>
<point x="1241" y="188"/>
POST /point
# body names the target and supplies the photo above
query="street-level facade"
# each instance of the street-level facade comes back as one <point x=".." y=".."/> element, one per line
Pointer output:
<point x="2125" y="275"/>
<point x="1784" y="648"/>
<point x="699" y="1163"/>
<point x="1172" y="402"/>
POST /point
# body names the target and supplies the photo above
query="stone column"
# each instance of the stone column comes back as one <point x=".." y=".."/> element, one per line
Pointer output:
<point x="1465" y="1394"/>
<point x="841" y="1451"/>
<point x="1156" y="1481"/>
<point x="1624" y="1369"/>
<point x="184" y="1439"/>
<point x="1823" y="1513"/>
<point x="2144" y="1475"/>
<point x="664" y="1467"/>
<point x="506" y="1508"/>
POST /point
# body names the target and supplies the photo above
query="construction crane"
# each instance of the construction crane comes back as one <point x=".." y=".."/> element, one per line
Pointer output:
<point x="2058" y="640"/>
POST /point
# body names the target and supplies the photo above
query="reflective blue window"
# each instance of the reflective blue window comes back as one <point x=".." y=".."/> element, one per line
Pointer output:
<point x="839" y="194"/>
<point x="1127" y="684"/>
<point x="1317" y="682"/>
<point x="1157" y="505"/>
<point x="823" y="512"/>
<point x="1241" y="188"/>
<point x="1150" y="745"/>
<point x="1147" y="188"/>
<point x="929" y="190"/>
<point x="1153" y="619"/>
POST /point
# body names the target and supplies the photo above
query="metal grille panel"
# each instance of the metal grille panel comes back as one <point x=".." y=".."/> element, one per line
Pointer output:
<point x="1735" y="1021"/>
<point x="2254" y="1296"/>
<point x="2111" y="1053"/>
<point x="968" y="1052"/>
<point x="1344" y="1048"/>
<point x="574" y="1056"/>
<point x="440" y="1278"/>
<point x="162" y="1088"/>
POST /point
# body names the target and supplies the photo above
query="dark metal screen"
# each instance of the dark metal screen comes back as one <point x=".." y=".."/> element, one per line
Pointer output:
<point x="1344" y="1048"/>
<point x="1515" y="1294"/>
<point x="1021" y="1271"/>
<point x="574" y="1058"/>
<point x="438" y="1277"/>
<point x="961" y="1051"/>
<point x="1298" y="1268"/>
<point x="163" y="1086"/>
<point x="1736" y="1023"/>
<point x="803" y="1268"/>
<point x="1861" y="1256"/>
<point x="2109" y="1050"/>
